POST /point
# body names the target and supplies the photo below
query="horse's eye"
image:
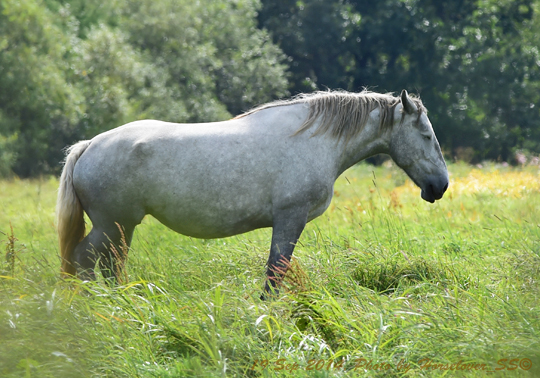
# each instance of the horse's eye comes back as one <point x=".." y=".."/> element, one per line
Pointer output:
<point x="427" y="137"/>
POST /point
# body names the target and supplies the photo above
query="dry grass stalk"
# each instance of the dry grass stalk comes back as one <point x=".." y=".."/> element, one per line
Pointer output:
<point x="120" y="255"/>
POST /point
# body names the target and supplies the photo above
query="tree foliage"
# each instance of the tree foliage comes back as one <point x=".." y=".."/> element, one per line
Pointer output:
<point x="39" y="107"/>
<point x="70" y="69"/>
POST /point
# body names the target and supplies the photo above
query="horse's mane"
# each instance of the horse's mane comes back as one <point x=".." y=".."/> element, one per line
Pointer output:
<point x="344" y="114"/>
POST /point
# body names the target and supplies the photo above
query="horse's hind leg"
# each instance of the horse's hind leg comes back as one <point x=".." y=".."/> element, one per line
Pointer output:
<point x="106" y="244"/>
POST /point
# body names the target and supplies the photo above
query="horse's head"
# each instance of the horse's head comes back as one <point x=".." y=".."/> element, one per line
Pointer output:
<point x="415" y="149"/>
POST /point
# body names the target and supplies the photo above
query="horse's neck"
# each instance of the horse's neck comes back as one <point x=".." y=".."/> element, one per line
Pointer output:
<point x="367" y="143"/>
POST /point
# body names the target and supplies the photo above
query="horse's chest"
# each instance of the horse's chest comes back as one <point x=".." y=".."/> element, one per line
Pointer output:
<point x="321" y="205"/>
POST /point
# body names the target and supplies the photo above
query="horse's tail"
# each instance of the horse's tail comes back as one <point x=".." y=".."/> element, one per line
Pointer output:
<point x="69" y="211"/>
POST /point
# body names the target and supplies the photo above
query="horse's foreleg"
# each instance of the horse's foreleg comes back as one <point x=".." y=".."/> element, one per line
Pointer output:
<point x="287" y="227"/>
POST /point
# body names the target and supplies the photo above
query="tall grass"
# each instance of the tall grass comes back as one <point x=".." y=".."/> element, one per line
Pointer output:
<point x="382" y="284"/>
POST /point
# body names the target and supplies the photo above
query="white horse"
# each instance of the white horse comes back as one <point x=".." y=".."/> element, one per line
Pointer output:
<point x="274" y="166"/>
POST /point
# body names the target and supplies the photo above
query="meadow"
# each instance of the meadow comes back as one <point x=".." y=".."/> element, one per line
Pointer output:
<point x="382" y="284"/>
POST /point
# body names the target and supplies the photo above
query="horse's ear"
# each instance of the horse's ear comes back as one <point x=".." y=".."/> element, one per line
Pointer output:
<point x="408" y="106"/>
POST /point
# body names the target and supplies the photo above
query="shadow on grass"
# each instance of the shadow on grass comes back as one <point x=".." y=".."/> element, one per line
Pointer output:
<point x="385" y="275"/>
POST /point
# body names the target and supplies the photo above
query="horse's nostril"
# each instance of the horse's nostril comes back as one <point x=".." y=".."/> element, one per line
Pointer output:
<point x="445" y="187"/>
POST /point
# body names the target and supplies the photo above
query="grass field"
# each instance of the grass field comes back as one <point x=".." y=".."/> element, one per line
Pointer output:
<point x="382" y="284"/>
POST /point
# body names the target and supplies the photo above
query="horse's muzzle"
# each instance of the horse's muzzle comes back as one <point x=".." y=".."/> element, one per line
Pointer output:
<point x="434" y="190"/>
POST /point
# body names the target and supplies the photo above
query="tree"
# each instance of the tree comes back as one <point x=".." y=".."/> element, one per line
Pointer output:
<point x="314" y="34"/>
<point x="217" y="61"/>
<point x="38" y="106"/>
<point x="70" y="69"/>
<point x="112" y="76"/>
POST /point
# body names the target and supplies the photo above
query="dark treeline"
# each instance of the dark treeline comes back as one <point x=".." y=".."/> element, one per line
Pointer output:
<point x="70" y="69"/>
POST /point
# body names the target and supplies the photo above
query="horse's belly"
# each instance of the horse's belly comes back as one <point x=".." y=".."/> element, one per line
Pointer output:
<point x="213" y="219"/>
